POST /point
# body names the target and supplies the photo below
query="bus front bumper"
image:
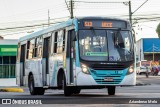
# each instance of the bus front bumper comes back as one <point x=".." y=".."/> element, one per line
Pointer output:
<point x="88" y="80"/>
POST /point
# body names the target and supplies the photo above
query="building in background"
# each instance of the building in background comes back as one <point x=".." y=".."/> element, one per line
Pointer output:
<point x="148" y="49"/>
<point x="8" y="51"/>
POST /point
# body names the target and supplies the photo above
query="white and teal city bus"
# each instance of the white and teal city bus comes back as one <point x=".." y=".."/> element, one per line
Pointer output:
<point x="81" y="53"/>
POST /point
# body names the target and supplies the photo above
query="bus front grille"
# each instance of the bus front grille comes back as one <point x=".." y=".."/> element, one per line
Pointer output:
<point x="108" y="67"/>
<point x="103" y="76"/>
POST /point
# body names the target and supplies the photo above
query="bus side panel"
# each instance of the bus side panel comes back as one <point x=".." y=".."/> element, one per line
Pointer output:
<point x="18" y="73"/>
<point x="129" y="79"/>
<point x="35" y="67"/>
<point x="27" y="71"/>
<point x="52" y="71"/>
<point x="38" y="73"/>
<point x="55" y="64"/>
<point x="84" y="79"/>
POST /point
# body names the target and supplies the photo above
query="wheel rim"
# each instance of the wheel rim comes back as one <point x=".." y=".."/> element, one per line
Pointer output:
<point x="63" y="82"/>
<point x="31" y="86"/>
<point x="63" y="85"/>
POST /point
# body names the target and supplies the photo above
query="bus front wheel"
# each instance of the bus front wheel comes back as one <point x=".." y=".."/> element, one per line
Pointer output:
<point x="111" y="90"/>
<point x="76" y="91"/>
<point x="67" y="90"/>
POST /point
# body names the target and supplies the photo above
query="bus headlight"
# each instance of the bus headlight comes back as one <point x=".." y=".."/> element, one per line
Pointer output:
<point x="130" y="69"/>
<point x="84" y="68"/>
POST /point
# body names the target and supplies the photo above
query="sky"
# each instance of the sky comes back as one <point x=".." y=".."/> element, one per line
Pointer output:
<point x="17" y="13"/>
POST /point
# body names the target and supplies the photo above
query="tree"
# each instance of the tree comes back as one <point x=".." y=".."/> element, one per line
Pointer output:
<point x="158" y="30"/>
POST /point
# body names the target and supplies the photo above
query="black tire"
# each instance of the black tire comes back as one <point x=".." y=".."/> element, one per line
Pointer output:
<point x="40" y="91"/>
<point x="31" y="87"/>
<point x="76" y="91"/>
<point x="67" y="90"/>
<point x="111" y="90"/>
<point x="34" y="90"/>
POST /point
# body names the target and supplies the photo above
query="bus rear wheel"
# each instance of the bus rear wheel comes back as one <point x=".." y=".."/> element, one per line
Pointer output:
<point x="34" y="90"/>
<point x="111" y="90"/>
<point x="31" y="87"/>
<point x="40" y="91"/>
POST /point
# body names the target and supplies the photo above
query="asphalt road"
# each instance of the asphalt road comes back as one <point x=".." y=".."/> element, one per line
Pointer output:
<point x="146" y="89"/>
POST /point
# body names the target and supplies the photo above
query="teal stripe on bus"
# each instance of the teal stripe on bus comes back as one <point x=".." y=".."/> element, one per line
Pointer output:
<point x="100" y="75"/>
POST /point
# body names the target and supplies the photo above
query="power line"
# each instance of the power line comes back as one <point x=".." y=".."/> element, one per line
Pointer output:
<point x="13" y="33"/>
<point x="77" y="5"/>
<point x="60" y="18"/>
<point x="43" y="24"/>
<point x="67" y="7"/>
<point x="65" y="17"/>
<point x="96" y="2"/>
<point x="139" y="7"/>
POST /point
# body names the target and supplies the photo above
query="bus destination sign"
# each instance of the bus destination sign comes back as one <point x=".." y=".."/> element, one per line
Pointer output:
<point x="88" y="24"/>
<point x="104" y="24"/>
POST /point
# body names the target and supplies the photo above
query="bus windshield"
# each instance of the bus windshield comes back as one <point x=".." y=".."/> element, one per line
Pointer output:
<point x="105" y="45"/>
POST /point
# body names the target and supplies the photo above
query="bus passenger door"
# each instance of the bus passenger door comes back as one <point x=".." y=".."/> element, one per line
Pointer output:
<point x="70" y="56"/>
<point x="45" y="61"/>
<point x="22" y="64"/>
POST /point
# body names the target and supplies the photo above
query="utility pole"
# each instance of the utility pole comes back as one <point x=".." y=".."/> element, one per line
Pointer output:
<point x="130" y="12"/>
<point x="153" y="52"/>
<point x="71" y="4"/>
<point x="48" y="18"/>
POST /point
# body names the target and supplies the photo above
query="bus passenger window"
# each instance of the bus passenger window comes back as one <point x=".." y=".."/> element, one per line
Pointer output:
<point x="39" y="47"/>
<point x="28" y="45"/>
<point x="59" y="41"/>
<point x="55" y="42"/>
<point x="35" y="52"/>
<point x="64" y="39"/>
<point x="31" y="48"/>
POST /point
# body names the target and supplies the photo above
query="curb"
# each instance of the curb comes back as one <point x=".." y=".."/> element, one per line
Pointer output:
<point x="11" y="90"/>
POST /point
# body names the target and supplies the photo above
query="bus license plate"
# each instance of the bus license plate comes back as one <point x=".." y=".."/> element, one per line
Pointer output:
<point x="108" y="79"/>
<point x="118" y="72"/>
